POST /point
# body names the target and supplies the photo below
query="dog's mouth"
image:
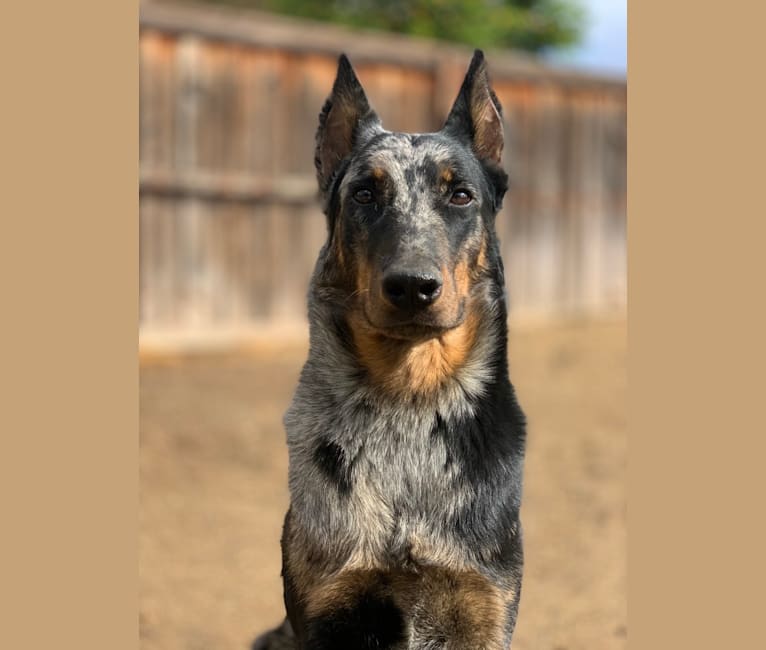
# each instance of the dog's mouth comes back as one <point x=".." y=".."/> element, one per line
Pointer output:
<point x="418" y="328"/>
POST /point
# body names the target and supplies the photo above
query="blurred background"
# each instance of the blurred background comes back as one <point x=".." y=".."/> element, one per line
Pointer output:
<point x="229" y="231"/>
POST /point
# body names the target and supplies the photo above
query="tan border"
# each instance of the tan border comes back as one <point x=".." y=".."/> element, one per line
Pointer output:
<point x="69" y="416"/>
<point x="69" y="420"/>
<point x="696" y="177"/>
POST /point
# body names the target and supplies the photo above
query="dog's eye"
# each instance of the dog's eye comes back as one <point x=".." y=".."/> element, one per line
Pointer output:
<point x="363" y="196"/>
<point x="460" y="197"/>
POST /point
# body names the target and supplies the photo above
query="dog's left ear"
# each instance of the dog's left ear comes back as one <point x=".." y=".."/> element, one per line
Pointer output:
<point x="476" y="114"/>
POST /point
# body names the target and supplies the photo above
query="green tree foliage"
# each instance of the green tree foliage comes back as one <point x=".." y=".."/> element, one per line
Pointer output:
<point x="532" y="25"/>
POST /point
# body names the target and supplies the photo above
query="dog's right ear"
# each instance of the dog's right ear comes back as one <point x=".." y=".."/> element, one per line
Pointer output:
<point x="346" y="119"/>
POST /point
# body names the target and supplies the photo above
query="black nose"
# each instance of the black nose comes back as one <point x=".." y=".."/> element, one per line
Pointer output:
<point x="412" y="291"/>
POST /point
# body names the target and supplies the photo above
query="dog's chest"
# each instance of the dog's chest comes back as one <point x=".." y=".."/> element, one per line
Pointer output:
<point x="404" y="487"/>
<point x="404" y="498"/>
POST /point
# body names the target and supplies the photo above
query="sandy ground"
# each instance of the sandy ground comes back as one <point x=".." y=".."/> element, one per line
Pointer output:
<point x="213" y="492"/>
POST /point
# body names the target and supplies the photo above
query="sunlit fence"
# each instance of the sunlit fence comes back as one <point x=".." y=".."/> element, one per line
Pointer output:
<point x="229" y="221"/>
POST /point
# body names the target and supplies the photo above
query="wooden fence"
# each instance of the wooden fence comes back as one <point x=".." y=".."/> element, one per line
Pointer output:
<point x="229" y="221"/>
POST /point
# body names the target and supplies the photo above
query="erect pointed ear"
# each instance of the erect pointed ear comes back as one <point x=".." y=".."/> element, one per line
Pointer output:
<point x="346" y="120"/>
<point x="476" y="114"/>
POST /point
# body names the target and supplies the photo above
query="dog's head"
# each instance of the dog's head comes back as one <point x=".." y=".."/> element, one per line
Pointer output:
<point x="411" y="216"/>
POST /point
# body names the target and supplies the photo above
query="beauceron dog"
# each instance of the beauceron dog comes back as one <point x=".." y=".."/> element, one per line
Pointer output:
<point x="405" y="438"/>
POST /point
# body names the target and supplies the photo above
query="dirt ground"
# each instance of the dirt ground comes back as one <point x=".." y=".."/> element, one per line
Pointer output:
<point x="213" y="492"/>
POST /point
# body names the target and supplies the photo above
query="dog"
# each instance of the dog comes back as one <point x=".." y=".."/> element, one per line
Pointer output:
<point x="405" y="437"/>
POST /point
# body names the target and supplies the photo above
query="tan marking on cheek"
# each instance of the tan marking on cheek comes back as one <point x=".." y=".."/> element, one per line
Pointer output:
<point x="380" y="355"/>
<point x="455" y="292"/>
<point x="462" y="279"/>
<point x="458" y="342"/>
<point x="338" y="244"/>
<point x="481" y="259"/>
<point x="363" y="274"/>
<point x="447" y="307"/>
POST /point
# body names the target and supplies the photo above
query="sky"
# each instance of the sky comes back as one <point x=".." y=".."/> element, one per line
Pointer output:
<point x="604" y="46"/>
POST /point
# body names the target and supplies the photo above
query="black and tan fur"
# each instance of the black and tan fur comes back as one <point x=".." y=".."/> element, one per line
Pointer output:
<point x="405" y="438"/>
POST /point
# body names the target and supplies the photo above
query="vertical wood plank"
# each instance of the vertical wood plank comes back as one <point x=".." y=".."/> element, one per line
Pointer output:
<point x="261" y="268"/>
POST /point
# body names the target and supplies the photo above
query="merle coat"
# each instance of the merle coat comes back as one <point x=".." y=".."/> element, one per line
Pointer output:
<point x="405" y="437"/>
